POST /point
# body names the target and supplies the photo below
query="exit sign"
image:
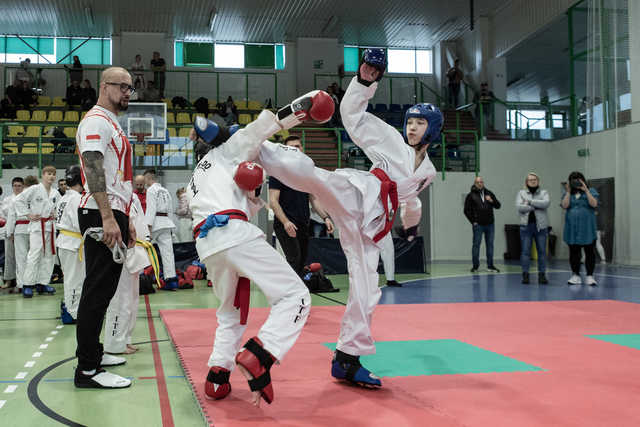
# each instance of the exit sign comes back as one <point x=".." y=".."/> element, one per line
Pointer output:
<point x="583" y="152"/>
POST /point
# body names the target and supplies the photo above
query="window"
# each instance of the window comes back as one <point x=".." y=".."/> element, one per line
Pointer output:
<point x="229" y="56"/>
<point x="409" y="61"/>
<point x="558" y="121"/>
<point x="14" y="49"/>
<point x="531" y="119"/>
<point x="90" y="51"/>
<point x="208" y="54"/>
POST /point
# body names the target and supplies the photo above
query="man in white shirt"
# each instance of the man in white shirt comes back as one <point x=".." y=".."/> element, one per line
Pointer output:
<point x="69" y="244"/>
<point x="104" y="206"/>
<point x="159" y="207"/>
<point x="37" y="203"/>
<point x="17" y="185"/>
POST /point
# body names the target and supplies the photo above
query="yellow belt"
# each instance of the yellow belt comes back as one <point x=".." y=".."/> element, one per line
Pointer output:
<point x="77" y="236"/>
<point x="148" y="246"/>
<point x="153" y="257"/>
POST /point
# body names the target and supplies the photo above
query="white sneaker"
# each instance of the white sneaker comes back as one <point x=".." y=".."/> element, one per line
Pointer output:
<point x="575" y="280"/>
<point x="589" y="280"/>
<point x="111" y="360"/>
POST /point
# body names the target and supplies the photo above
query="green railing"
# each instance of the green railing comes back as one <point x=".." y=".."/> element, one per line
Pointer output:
<point x="171" y="83"/>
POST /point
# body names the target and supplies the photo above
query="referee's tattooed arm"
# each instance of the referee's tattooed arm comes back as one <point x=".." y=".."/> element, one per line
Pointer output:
<point x="93" y="166"/>
<point x="94" y="171"/>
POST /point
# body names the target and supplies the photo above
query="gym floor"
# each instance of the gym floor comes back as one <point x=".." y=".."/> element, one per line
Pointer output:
<point x="37" y="351"/>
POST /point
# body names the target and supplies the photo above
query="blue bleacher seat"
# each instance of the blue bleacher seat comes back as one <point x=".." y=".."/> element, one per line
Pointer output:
<point x="395" y="108"/>
<point x="380" y="108"/>
<point x="405" y="107"/>
<point x="396" y="122"/>
<point x="344" y="136"/>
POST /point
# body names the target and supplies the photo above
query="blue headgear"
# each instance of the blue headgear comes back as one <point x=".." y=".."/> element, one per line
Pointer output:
<point x="376" y="58"/>
<point x="432" y="115"/>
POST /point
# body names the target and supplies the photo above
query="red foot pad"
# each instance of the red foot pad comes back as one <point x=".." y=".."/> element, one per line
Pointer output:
<point x="217" y="384"/>
<point x="255" y="359"/>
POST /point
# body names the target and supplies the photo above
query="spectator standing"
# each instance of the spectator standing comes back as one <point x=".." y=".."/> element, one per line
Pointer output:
<point x="580" y="203"/>
<point x="486" y="98"/>
<point x="62" y="186"/>
<point x="183" y="212"/>
<point x="532" y="203"/>
<point x="24" y="74"/>
<point x="292" y="216"/>
<point x="17" y="185"/>
<point x="159" y="66"/>
<point x="137" y="69"/>
<point x="75" y="73"/>
<point x="455" y="77"/>
<point x="478" y="208"/>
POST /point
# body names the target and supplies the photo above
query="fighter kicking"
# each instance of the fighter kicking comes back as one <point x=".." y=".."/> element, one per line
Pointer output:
<point x="362" y="204"/>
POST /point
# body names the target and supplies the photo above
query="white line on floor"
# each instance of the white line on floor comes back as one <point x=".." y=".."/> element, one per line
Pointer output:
<point x="10" y="388"/>
<point x="2" y="402"/>
<point x="54" y="332"/>
<point x="48" y="339"/>
<point x="59" y="327"/>
<point x="21" y="375"/>
<point x="43" y="346"/>
<point x="37" y="354"/>
<point x="30" y="364"/>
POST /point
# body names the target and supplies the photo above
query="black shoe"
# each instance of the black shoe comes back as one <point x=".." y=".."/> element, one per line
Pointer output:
<point x="525" y="278"/>
<point x="394" y="284"/>
<point x="493" y="269"/>
<point x="542" y="279"/>
<point x="474" y="270"/>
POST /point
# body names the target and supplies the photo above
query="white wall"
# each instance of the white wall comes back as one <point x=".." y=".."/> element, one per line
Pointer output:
<point x="521" y="18"/>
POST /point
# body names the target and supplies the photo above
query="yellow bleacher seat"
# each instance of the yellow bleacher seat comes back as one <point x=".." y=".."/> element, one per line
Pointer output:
<point x="244" y="119"/>
<point x="70" y="132"/>
<point x="55" y="116"/>
<point x="11" y="147"/>
<point x="71" y="116"/>
<point x="212" y="104"/>
<point x="46" y="132"/>
<point x="16" y="131"/>
<point x="44" y="101"/>
<point x="172" y="132"/>
<point x="254" y="105"/>
<point x="241" y="105"/>
<point x="33" y="132"/>
<point x="171" y="117"/>
<point x="58" y="101"/>
<point x="23" y="115"/>
<point x="39" y="116"/>
<point x="183" y="118"/>
<point x="29" y="148"/>
<point x="47" y="148"/>
<point x="84" y="113"/>
<point x="184" y="132"/>
<point x="255" y="116"/>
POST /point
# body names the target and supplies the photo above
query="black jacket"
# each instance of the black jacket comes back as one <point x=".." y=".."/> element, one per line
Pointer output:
<point x="478" y="210"/>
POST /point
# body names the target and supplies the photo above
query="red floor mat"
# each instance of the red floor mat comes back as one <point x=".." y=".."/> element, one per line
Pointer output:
<point x="584" y="382"/>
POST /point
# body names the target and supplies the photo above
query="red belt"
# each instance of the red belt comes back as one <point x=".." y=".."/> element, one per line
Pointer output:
<point x="243" y="288"/>
<point x="43" y="221"/>
<point x="388" y="190"/>
<point x="162" y="214"/>
<point x="22" y="222"/>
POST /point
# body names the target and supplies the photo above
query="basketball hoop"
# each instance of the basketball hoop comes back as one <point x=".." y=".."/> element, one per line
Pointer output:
<point x="141" y="136"/>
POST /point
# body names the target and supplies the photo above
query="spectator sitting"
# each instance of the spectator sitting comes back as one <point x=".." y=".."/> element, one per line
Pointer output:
<point x="335" y="119"/>
<point x="486" y="98"/>
<point x="151" y="94"/>
<point x="231" y="109"/>
<point x="74" y="93"/>
<point x="137" y="91"/>
<point x="89" y="96"/>
<point x="338" y="91"/>
<point x="219" y="115"/>
<point x="26" y="96"/>
<point x="8" y="105"/>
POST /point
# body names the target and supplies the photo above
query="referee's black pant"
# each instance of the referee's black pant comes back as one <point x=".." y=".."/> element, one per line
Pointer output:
<point x="295" y="248"/>
<point x="100" y="283"/>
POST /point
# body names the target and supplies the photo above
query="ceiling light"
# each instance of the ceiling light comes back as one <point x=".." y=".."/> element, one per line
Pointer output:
<point x="212" y="19"/>
<point x="89" y="15"/>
